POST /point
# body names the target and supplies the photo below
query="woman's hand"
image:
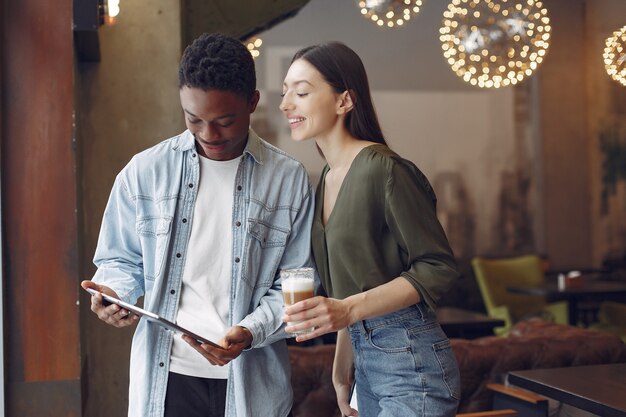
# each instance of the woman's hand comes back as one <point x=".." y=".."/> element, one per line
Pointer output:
<point x="330" y="315"/>
<point x="343" y="373"/>
<point x="343" y="399"/>
<point x="325" y="315"/>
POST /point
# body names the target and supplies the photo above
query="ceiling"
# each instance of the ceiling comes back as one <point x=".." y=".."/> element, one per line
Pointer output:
<point x="241" y="19"/>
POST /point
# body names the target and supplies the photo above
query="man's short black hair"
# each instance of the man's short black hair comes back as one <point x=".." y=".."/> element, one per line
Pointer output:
<point x="218" y="62"/>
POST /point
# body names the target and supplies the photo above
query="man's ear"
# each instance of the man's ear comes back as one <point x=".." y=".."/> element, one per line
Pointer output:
<point x="254" y="100"/>
<point x="345" y="102"/>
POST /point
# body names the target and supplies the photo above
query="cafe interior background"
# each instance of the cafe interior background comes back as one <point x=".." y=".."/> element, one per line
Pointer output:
<point x="527" y="168"/>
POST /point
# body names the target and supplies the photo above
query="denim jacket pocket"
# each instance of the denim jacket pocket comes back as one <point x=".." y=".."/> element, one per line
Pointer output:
<point x="154" y="234"/>
<point x="267" y="235"/>
<point x="265" y="242"/>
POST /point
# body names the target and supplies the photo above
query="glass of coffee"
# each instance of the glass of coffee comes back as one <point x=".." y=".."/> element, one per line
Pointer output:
<point x="298" y="285"/>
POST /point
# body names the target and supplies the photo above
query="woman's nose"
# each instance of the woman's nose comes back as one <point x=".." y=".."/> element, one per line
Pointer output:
<point x="284" y="104"/>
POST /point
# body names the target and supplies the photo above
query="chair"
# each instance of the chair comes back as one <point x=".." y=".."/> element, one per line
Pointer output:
<point x="512" y="401"/>
<point x="495" y="275"/>
<point x="612" y="319"/>
<point x="524" y="402"/>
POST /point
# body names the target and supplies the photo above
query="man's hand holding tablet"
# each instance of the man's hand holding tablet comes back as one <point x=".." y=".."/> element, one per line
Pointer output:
<point x="110" y="309"/>
<point x="110" y="313"/>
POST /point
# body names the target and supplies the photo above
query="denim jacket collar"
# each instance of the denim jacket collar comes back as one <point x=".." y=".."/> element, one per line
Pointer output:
<point x="186" y="141"/>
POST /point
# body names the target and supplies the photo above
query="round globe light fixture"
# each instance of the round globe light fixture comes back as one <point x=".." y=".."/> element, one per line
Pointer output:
<point x="615" y="56"/>
<point x="389" y="13"/>
<point x="494" y="43"/>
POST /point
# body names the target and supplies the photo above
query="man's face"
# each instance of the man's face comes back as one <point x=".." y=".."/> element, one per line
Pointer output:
<point x="219" y="121"/>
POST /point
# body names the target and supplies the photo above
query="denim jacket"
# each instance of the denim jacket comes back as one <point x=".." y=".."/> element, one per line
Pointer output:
<point x="141" y="252"/>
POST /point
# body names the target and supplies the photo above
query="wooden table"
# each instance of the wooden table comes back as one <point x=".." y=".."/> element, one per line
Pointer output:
<point x="466" y="324"/>
<point x="590" y="290"/>
<point x="599" y="389"/>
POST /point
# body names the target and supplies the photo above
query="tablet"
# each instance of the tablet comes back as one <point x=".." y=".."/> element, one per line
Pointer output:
<point x="153" y="317"/>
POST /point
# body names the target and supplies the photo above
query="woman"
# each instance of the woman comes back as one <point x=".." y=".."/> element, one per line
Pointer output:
<point x="381" y="253"/>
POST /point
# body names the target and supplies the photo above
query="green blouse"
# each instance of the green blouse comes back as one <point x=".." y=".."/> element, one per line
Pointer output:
<point x="383" y="225"/>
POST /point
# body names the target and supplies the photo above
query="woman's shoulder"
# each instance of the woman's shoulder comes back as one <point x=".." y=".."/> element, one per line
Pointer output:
<point x="397" y="170"/>
<point x="381" y="158"/>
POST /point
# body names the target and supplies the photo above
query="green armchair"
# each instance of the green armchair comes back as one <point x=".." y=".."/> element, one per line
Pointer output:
<point x="495" y="275"/>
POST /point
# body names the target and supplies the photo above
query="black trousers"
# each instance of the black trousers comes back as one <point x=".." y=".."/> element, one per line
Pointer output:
<point x="189" y="396"/>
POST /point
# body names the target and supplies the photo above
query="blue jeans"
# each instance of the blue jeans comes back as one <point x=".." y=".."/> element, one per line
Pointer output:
<point x="404" y="366"/>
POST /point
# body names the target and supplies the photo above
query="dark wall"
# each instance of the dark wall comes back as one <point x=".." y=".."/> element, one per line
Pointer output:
<point x="39" y="209"/>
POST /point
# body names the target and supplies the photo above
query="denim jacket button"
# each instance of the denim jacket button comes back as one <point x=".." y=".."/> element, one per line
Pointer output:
<point x="236" y="260"/>
<point x="172" y="291"/>
<point x="184" y="220"/>
<point x="178" y="255"/>
<point x="238" y="224"/>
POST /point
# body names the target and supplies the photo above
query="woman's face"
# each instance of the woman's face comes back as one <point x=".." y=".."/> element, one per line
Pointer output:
<point x="309" y="102"/>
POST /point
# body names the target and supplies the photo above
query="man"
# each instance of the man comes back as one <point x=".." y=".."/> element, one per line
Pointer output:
<point x="200" y="224"/>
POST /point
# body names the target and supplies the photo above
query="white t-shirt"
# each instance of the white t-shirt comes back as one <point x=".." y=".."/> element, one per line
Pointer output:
<point x="204" y="300"/>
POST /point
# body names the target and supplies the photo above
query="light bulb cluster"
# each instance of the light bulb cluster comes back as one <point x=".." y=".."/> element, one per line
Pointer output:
<point x="494" y="43"/>
<point x="389" y="13"/>
<point x="254" y="45"/>
<point x="615" y="56"/>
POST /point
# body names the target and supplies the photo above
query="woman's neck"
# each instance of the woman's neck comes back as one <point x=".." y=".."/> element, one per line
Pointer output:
<point x="340" y="150"/>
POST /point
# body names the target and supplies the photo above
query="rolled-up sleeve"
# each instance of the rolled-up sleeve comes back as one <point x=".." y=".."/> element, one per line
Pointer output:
<point x="410" y="211"/>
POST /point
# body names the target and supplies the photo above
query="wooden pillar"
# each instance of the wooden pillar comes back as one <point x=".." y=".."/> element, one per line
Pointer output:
<point x="39" y="209"/>
<point x="564" y="189"/>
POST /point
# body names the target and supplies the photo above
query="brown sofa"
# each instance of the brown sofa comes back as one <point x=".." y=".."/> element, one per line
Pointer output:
<point x="531" y="344"/>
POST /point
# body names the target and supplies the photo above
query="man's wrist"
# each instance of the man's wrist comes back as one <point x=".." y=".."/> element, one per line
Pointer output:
<point x="248" y="335"/>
